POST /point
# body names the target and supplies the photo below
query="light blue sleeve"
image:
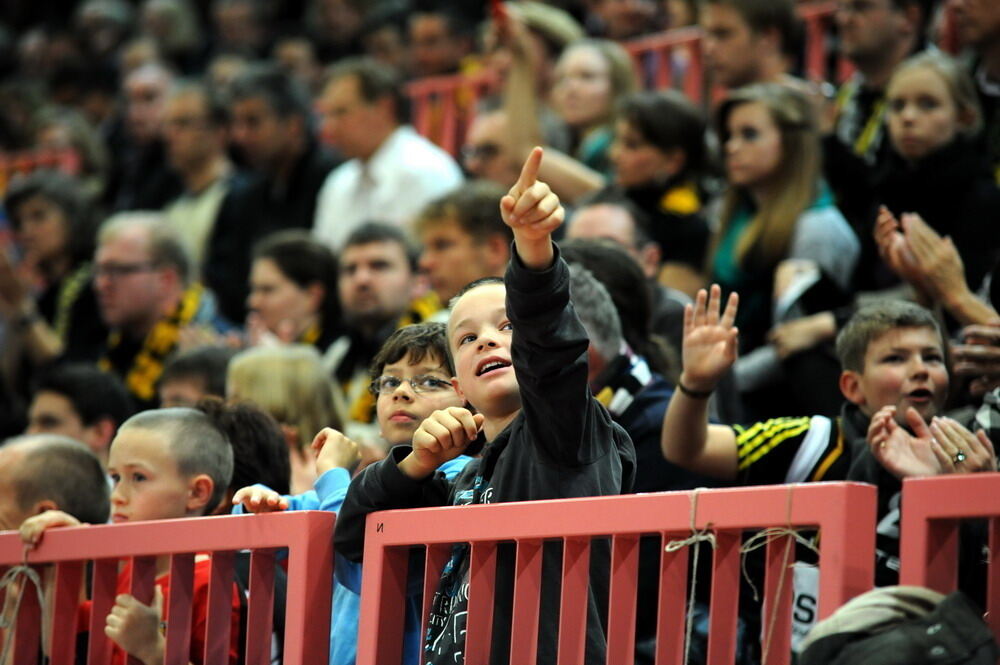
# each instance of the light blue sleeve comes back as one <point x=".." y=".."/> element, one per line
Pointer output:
<point x="331" y="488"/>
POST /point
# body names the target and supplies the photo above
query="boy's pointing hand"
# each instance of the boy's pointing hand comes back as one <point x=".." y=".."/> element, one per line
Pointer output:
<point x="533" y="211"/>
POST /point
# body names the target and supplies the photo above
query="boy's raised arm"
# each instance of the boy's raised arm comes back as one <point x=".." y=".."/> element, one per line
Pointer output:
<point x="533" y="212"/>
<point x="709" y="350"/>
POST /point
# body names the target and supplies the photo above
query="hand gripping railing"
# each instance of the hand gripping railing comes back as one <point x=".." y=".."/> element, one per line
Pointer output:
<point x="931" y="511"/>
<point x="843" y="514"/>
<point x="308" y="536"/>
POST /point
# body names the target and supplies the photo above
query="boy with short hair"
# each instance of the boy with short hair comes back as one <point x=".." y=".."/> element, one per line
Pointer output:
<point x="894" y="377"/>
<point x="410" y="379"/>
<point x="520" y="357"/>
<point x="165" y="464"/>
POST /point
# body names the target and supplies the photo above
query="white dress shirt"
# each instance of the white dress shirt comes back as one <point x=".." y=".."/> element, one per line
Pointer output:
<point x="401" y="177"/>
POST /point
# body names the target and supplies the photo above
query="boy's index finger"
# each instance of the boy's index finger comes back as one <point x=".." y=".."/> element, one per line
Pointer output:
<point x="529" y="172"/>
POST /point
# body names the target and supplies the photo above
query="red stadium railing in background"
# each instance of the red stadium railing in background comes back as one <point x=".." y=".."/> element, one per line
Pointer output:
<point x="66" y="160"/>
<point x="843" y="513"/>
<point x="307" y="535"/>
<point x="932" y="509"/>
<point x="442" y="107"/>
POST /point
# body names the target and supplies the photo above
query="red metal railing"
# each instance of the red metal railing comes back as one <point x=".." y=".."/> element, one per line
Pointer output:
<point x="307" y="535"/>
<point x="13" y="163"/>
<point x="932" y="509"/>
<point x="843" y="513"/>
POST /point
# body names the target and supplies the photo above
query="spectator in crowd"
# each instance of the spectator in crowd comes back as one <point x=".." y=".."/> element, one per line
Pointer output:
<point x="440" y="39"/>
<point x="410" y="378"/>
<point x="146" y="299"/>
<point x="463" y="238"/>
<point x="749" y="41"/>
<point x="260" y="454"/>
<point x="81" y="402"/>
<point x="240" y="27"/>
<point x="486" y="153"/>
<point x="618" y="221"/>
<point x="933" y="117"/>
<point x="297" y="56"/>
<point x="660" y="162"/>
<point x="194" y="131"/>
<point x="781" y="240"/>
<point x="142" y="178"/>
<point x="293" y="291"/>
<point x="270" y="126"/>
<point x="895" y="381"/>
<point x="291" y="384"/>
<point x="379" y="292"/>
<point x="174" y="26"/>
<point x="335" y="26"/>
<point x="60" y="128"/>
<point x="41" y="472"/>
<point x="193" y="375"/>
<point x="392" y="171"/>
<point x="102" y="26"/>
<point x="526" y="410"/>
<point x="54" y="226"/>
<point x="978" y="24"/>
<point x="875" y="37"/>
<point x="165" y="464"/>
<point x="383" y="35"/>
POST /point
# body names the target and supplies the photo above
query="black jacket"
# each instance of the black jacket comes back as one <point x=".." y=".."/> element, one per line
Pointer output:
<point x="562" y="444"/>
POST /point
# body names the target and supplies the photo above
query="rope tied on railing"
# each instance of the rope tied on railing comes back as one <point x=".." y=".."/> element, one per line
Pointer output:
<point x="10" y="610"/>
<point x="763" y="538"/>
<point x="697" y="537"/>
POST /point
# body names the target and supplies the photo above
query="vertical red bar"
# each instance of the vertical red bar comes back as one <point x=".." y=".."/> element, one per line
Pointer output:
<point x="380" y="627"/>
<point x="66" y="604"/>
<point x="694" y="83"/>
<point x="815" y="48"/>
<point x="310" y="590"/>
<point x="177" y="612"/>
<point x="142" y="583"/>
<point x="482" y="590"/>
<point x="260" y="608"/>
<point x="573" y="601"/>
<point x="103" y="585"/>
<point x="527" y="594"/>
<point x="776" y="613"/>
<point x="622" y="598"/>
<point x="220" y="609"/>
<point x="725" y="598"/>
<point x="28" y="633"/>
<point x="437" y="557"/>
<point x="847" y="545"/>
<point x="450" y="100"/>
<point x="672" y="606"/>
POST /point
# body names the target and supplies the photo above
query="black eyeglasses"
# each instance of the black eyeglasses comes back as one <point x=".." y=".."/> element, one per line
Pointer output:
<point x="116" y="270"/>
<point x="424" y="383"/>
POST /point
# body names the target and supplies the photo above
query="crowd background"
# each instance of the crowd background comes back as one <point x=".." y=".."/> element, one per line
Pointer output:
<point x="229" y="198"/>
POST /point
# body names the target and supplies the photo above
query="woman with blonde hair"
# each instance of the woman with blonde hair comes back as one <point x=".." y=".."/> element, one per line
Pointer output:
<point x="290" y="383"/>
<point x="780" y="235"/>
<point x="776" y="207"/>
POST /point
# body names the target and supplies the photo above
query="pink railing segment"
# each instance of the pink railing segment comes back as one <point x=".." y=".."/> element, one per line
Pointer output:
<point x="932" y="509"/>
<point x="843" y="513"/>
<point x="66" y="160"/>
<point x="307" y="535"/>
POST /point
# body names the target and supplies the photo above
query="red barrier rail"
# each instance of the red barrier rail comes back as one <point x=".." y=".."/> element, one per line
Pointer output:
<point x="844" y="514"/>
<point x="66" y="160"/>
<point x="307" y="535"/>
<point x="931" y="511"/>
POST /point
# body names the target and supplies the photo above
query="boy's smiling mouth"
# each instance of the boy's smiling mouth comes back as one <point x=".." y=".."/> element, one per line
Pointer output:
<point x="920" y="395"/>
<point x="491" y="364"/>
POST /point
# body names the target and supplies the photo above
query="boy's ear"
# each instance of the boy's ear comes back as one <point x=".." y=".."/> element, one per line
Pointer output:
<point x="458" y="389"/>
<point x="200" y="489"/>
<point x="43" y="505"/>
<point x="850" y="386"/>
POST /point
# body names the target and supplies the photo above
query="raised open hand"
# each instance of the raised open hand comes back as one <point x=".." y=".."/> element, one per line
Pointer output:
<point x="710" y="339"/>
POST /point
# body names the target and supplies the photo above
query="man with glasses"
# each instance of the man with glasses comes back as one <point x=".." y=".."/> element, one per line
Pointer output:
<point x="145" y="298"/>
<point x="485" y="153"/>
